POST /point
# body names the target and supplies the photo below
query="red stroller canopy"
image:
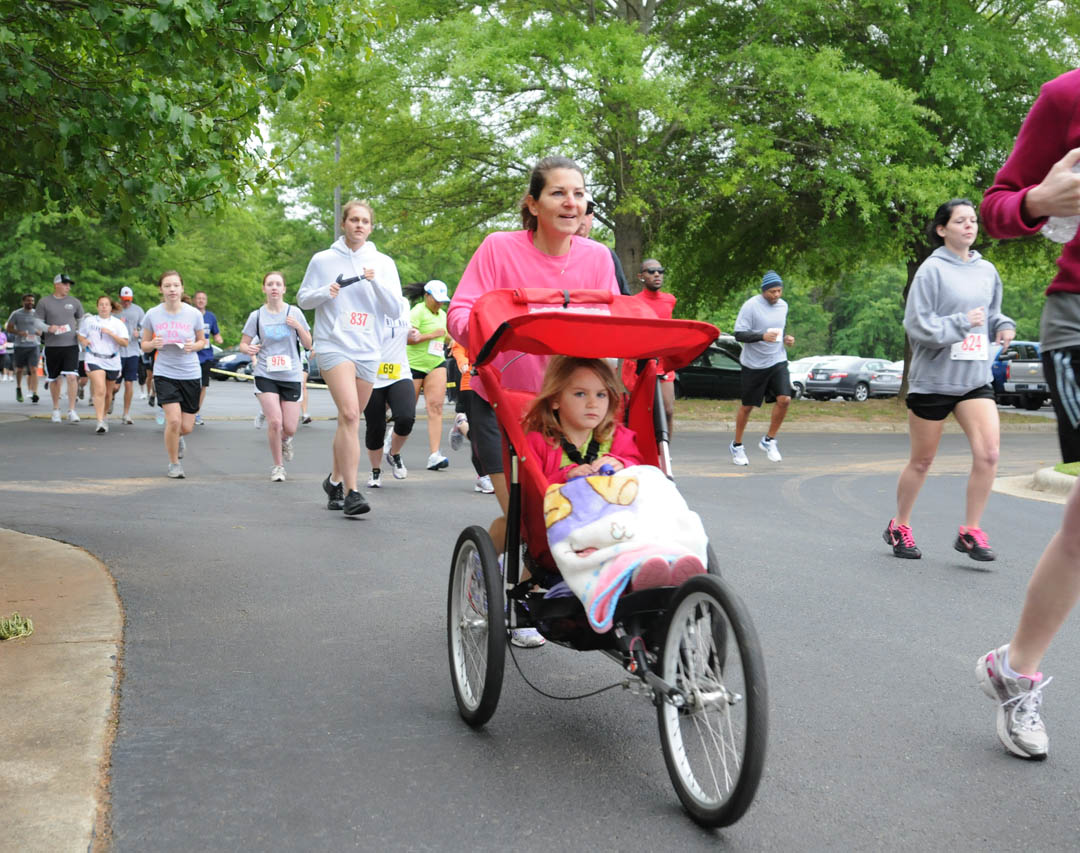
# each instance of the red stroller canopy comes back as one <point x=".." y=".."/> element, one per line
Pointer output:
<point x="582" y="323"/>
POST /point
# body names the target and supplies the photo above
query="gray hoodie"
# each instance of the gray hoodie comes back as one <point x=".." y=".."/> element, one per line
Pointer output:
<point x="945" y="288"/>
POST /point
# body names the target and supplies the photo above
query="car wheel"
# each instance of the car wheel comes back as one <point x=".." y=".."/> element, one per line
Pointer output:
<point x="1032" y="403"/>
<point x="862" y="392"/>
<point x="797" y="390"/>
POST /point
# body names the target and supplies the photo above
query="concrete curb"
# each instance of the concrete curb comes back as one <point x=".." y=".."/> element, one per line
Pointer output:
<point x="1049" y="480"/>
<point x="58" y="696"/>
<point x="1046" y="484"/>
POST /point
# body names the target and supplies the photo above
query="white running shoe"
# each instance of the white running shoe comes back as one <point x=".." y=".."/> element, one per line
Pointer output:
<point x="127" y="420"/>
<point x="176" y="470"/>
<point x="56" y="416"/>
<point x="526" y="638"/>
<point x="397" y="466"/>
<point x="260" y="419"/>
<point x="306" y="419"/>
<point x="771" y="448"/>
<point x="1019" y="724"/>
<point x="457" y="437"/>
<point x="436" y="462"/>
<point x="72" y="417"/>
<point x="388" y="438"/>
<point x="142" y="395"/>
<point x="180" y="448"/>
<point x="375" y="480"/>
<point x="198" y="419"/>
<point x="287" y="449"/>
<point x="483" y="485"/>
<point x="102" y="428"/>
<point x="738" y="454"/>
<point x="277" y="474"/>
<point x="159" y="416"/>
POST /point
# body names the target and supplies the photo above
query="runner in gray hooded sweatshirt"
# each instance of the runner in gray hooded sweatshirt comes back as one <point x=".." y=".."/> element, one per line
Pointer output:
<point x="953" y="313"/>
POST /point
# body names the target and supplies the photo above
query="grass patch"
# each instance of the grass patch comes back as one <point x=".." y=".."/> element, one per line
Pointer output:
<point x="15" y="626"/>
<point x="1072" y="468"/>
<point x="880" y="411"/>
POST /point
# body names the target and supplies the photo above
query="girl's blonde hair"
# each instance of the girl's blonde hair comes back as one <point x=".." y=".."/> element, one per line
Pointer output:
<point x="542" y="418"/>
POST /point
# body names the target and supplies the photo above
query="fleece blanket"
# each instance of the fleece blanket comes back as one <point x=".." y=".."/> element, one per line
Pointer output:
<point x="628" y="528"/>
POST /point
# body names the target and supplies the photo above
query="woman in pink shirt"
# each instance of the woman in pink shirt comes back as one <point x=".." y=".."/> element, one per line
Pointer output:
<point x="545" y="253"/>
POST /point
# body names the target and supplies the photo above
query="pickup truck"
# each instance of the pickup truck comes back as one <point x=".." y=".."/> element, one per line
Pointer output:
<point x="1018" y="376"/>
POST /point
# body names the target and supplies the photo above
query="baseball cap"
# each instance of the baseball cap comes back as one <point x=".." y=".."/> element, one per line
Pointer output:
<point x="127" y="293"/>
<point x="62" y="278"/>
<point x="438" y="290"/>
<point x="589" y="203"/>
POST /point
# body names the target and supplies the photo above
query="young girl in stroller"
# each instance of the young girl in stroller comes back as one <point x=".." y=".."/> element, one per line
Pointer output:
<point x="612" y="522"/>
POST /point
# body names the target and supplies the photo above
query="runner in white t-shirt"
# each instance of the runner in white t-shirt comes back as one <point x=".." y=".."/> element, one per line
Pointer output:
<point x="103" y="336"/>
<point x="175" y="331"/>
<point x="280" y="330"/>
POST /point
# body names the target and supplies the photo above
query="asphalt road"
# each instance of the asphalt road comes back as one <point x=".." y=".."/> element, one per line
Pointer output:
<point x="285" y="675"/>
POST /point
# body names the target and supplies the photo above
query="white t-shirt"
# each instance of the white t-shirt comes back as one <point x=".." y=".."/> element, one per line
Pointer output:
<point x="175" y="329"/>
<point x="394" y="360"/>
<point x="101" y="349"/>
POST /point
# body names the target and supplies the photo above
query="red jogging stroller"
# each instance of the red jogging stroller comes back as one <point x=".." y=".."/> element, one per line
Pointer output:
<point x="692" y="649"/>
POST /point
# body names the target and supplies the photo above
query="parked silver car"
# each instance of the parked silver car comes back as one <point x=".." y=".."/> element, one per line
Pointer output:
<point x="886" y="383"/>
<point x="849" y="379"/>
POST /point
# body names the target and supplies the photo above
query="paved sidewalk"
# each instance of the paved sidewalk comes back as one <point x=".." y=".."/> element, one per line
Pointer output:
<point x="57" y="694"/>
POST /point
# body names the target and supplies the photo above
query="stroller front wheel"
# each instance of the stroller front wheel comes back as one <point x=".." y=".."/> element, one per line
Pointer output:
<point x="476" y="626"/>
<point x="714" y="737"/>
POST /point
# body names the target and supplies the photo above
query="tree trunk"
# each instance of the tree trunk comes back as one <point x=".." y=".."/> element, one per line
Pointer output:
<point x="629" y="244"/>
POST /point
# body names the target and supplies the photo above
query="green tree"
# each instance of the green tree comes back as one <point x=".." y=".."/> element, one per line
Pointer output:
<point x="131" y="111"/>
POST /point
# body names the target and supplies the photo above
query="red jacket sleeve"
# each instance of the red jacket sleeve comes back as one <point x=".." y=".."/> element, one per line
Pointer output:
<point x="1051" y="129"/>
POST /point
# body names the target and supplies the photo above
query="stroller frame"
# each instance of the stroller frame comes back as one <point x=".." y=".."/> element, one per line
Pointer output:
<point x="691" y="650"/>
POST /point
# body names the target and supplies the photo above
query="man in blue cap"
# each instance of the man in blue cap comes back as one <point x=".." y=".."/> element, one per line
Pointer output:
<point x="760" y="329"/>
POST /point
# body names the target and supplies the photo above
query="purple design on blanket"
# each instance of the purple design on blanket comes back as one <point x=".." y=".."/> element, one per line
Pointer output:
<point x="629" y="528"/>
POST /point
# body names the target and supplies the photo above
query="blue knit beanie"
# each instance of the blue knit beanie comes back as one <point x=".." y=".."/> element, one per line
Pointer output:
<point x="771" y="279"/>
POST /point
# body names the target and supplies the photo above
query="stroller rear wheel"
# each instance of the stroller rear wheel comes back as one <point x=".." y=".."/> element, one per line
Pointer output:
<point x="714" y="738"/>
<point x="476" y="626"/>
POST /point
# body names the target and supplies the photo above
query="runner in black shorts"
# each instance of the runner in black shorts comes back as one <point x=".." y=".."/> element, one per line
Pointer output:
<point x="953" y="313"/>
<point x="281" y="330"/>
<point x="61" y="312"/>
<point x="760" y="329"/>
<point x="175" y="331"/>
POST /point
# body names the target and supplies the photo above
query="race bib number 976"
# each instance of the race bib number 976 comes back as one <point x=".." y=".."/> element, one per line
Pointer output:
<point x="278" y="363"/>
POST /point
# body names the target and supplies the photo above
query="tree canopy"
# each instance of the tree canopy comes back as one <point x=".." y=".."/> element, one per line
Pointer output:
<point x="132" y="111"/>
<point x="727" y="136"/>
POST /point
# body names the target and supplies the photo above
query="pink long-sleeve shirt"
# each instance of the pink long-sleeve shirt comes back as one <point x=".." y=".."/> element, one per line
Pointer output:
<point x="623" y="447"/>
<point x="508" y="259"/>
<point x="1051" y="130"/>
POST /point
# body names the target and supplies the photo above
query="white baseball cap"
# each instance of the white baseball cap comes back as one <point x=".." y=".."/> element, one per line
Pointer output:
<point x="438" y="290"/>
<point x="128" y="292"/>
<point x="62" y="278"/>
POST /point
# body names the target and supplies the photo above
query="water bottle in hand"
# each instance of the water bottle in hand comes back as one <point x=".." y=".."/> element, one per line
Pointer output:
<point x="1061" y="229"/>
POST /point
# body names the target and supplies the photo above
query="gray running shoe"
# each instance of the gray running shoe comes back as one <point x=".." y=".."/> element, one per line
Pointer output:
<point x="277" y="474"/>
<point x="176" y="470"/>
<point x="180" y="448"/>
<point x="1019" y="725"/>
<point x="286" y="449"/>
